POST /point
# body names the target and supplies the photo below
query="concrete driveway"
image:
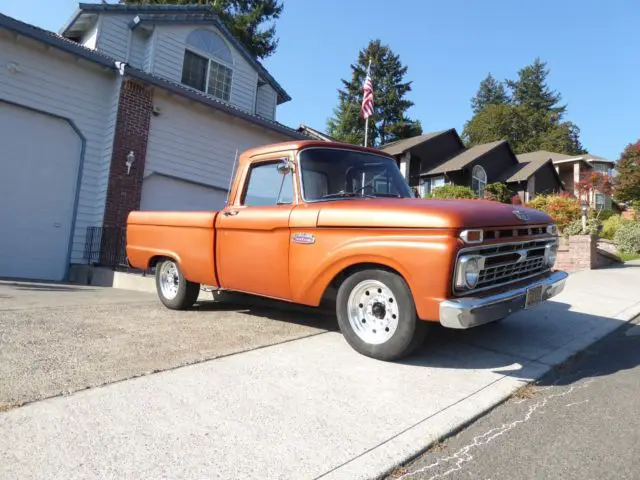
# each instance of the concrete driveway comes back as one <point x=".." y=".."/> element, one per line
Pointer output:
<point x="305" y="409"/>
<point x="58" y="339"/>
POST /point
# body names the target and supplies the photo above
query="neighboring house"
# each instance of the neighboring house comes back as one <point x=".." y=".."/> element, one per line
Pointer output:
<point x="572" y="168"/>
<point x="128" y="107"/>
<point x="314" y="134"/>
<point x="435" y="159"/>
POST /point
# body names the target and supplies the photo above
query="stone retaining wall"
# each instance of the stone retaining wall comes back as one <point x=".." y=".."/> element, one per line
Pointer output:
<point x="584" y="252"/>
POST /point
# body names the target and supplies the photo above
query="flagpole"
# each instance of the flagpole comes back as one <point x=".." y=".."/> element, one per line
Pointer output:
<point x="366" y="121"/>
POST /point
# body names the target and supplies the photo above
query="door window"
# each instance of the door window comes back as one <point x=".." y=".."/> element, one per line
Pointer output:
<point x="268" y="186"/>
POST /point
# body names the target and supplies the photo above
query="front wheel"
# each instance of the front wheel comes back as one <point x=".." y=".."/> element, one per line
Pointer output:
<point x="175" y="291"/>
<point x="377" y="315"/>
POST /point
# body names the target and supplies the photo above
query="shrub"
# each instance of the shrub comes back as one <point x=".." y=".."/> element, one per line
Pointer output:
<point x="452" y="191"/>
<point x="563" y="208"/>
<point x="627" y="237"/>
<point x="601" y="214"/>
<point x="575" y="227"/>
<point x="498" y="192"/>
<point x="611" y="225"/>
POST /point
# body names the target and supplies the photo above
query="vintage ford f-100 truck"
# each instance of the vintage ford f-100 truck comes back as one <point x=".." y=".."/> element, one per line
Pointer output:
<point x="308" y="218"/>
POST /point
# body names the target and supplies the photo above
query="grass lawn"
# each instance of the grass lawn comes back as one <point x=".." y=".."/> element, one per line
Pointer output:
<point x="629" y="256"/>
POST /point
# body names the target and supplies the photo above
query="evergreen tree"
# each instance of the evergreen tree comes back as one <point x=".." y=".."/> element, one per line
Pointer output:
<point x="389" y="121"/>
<point x="627" y="187"/>
<point x="530" y="118"/>
<point x="244" y="18"/>
<point x="491" y="92"/>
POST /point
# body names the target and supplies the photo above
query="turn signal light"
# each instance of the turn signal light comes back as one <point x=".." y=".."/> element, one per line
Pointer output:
<point x="472" y="236"/>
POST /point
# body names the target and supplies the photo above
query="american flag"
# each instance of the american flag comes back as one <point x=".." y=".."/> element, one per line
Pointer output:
<point x="367" y="97"/>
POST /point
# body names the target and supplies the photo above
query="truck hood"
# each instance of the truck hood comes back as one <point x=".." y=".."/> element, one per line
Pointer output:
<point x="425" y="213"/>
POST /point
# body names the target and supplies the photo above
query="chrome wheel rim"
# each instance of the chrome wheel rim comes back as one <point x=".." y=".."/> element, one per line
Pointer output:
<point x="169" y="278"/>
<point x="373" y="312"/>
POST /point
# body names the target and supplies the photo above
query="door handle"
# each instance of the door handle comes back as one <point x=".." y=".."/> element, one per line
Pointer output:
<point x="230" y="213"/>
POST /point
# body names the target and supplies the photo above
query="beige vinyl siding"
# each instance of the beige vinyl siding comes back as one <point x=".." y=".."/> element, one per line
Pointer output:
<point x="139" y="47"/>
<point x="57" y="83"/>
<point x="197" y="143"/>
<point x="113" y="36"/>
<point x="169" y="58"/>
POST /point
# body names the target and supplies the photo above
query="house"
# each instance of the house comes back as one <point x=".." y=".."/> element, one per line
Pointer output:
<point x="572" y="168"/>
<point x="314" y="134"/>
<point x="127" y="107"/>
<point x="439" y="158"/>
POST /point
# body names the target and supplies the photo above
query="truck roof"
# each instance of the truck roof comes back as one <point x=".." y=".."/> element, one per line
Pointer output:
<point x="247" y="155"/>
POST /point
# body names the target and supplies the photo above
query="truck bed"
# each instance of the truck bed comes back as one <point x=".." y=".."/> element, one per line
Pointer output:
<point x="187" y="237"/>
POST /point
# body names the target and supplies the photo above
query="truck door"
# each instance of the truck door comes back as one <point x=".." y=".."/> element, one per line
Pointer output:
<point x="252" y="251"/>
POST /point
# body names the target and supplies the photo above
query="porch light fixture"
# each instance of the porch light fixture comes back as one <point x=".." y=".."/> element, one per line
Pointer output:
<point x="131" y="157"/>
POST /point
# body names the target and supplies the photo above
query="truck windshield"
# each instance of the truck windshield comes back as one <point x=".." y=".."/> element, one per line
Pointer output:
<point x="328" y="173"/>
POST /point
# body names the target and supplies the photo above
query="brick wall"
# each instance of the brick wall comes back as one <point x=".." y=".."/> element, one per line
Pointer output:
<point x="125" y="187"/>
<point x="132" y="132"/>
<point x="577" y="253"/>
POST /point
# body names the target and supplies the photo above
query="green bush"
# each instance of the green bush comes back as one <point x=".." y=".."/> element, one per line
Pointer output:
<point x="563" y="208"/>
<point x="575" y="227"/>
<point x="498" y="192"/>
<point x="611" y="225"/>
<point x="627" y="237"/>
<point x="452" y="191"/>
<point x="603" y="215"/>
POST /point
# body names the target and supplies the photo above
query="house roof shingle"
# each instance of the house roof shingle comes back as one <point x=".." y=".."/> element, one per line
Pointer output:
<point x="400" y="146"/>
<point x="465" y="158"/>
<point x="196" y="14"/>
<point x="73" y="48"/>
<point x="522" y="171"/>
<point x="561" y="157"/>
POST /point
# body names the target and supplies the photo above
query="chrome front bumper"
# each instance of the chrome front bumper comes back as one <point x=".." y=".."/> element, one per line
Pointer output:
<point x="470" y="312"/>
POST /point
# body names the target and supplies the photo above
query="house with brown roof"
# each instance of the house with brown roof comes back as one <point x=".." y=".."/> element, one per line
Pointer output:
<point x="440" y="158"/>
<point x="573" y="168"/>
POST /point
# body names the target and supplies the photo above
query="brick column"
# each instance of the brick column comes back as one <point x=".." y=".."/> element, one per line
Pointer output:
<point x="577" y="252"/>
<point x="125" y="187"/>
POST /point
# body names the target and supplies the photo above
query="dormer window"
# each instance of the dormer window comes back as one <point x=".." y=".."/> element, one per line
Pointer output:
<point x="207" y="64"/>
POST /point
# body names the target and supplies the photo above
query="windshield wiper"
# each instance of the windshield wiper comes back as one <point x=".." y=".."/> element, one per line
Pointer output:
<point x="344" y="194"/>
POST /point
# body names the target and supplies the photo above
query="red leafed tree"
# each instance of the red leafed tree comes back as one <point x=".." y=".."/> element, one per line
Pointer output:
<point x="592" y="183"/>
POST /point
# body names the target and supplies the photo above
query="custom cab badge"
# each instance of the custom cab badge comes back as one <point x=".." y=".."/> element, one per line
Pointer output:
<point x="304" y="238"/>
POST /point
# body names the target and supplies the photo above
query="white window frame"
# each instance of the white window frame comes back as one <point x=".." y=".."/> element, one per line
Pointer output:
<point x="482" y="182"/>
<point x="209" y="58"/>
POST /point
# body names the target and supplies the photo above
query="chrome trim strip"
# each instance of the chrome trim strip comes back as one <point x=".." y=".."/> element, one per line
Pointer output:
<point x="468" y="312"/>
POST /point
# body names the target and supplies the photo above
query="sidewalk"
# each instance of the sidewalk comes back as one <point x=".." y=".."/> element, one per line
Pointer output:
<point x="311" y="408"/>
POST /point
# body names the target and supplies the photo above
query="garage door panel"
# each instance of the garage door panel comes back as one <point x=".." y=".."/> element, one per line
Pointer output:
<point x="162" y="193"/>
<point x="40" y="161"/>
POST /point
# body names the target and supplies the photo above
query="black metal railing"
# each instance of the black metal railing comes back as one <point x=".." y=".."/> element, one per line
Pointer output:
<point x="106" y="246"/>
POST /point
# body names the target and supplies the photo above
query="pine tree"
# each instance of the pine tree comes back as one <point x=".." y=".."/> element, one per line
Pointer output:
<point x="244" y="18"/>
<point x="490" y="92"/>
<point x="389" y="121"/>
<point x="627" y="187"/>
<point x="530" y="118"/>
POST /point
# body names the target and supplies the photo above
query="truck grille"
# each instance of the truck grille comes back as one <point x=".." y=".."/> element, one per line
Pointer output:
<point x="508" y="263"/>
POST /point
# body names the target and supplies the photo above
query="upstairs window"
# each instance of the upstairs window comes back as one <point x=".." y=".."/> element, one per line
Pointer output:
<point x="207" y="64"/>
<point x="478" y="180"/>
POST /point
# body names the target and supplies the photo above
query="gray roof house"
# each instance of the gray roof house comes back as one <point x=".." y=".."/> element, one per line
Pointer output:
<point x="127" y="107"/>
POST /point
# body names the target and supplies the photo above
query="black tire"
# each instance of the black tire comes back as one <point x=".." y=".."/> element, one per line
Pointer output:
<point x="410" y="332"/>
<point x="187" y="293"/>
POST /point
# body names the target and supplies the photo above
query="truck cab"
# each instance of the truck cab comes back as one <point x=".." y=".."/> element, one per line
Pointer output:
<point x="308" y="218"/>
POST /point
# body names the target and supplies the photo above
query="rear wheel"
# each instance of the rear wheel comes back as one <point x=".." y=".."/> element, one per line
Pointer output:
<point x="377" y="315"/>
<point x="175" y="291"/>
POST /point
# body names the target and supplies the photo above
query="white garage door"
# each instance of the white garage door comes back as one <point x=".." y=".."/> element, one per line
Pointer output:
<point x="39" y="161"/>
<point x="166" y="193"/>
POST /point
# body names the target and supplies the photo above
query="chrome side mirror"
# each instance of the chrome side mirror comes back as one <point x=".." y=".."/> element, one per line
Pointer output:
<point x="284" y="167"/>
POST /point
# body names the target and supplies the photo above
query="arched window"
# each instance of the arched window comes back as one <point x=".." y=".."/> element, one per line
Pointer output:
<point x="207" y="64"/>
<point x="478" y="180"/>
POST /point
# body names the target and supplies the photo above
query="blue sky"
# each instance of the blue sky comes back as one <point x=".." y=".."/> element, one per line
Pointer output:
<point x="592" y="49"/>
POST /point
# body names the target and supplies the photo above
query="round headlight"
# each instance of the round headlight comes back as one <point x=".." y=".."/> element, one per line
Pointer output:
<point x="551" y="254"/>
<point x="472" y="273"/>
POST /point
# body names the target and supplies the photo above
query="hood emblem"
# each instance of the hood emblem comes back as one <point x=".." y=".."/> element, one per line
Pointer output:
<point x="520" y="214"/>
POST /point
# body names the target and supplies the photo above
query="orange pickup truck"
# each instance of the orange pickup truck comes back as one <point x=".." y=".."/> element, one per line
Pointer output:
<point x="310" y="219"/>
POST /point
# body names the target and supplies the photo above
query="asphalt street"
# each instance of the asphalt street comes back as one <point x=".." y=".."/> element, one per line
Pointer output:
<point x="580" y="421"/>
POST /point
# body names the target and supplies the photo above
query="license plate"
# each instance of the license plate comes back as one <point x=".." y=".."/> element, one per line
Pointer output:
<point x="534" y="296"/>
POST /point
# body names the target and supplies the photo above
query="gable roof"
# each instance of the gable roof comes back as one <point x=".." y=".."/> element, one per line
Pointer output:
<point x="561" y="157"/>
<point x="313" y="133"/>
<point x="399" y="147"/>
<point x="195" y="14"/>
<point x="78" y="50"/>
<point x="463" y="159"/>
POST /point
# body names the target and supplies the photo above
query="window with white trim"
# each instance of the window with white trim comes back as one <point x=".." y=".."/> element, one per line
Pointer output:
<point x="478" y="180"/>
<point x="208" y="64"/>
